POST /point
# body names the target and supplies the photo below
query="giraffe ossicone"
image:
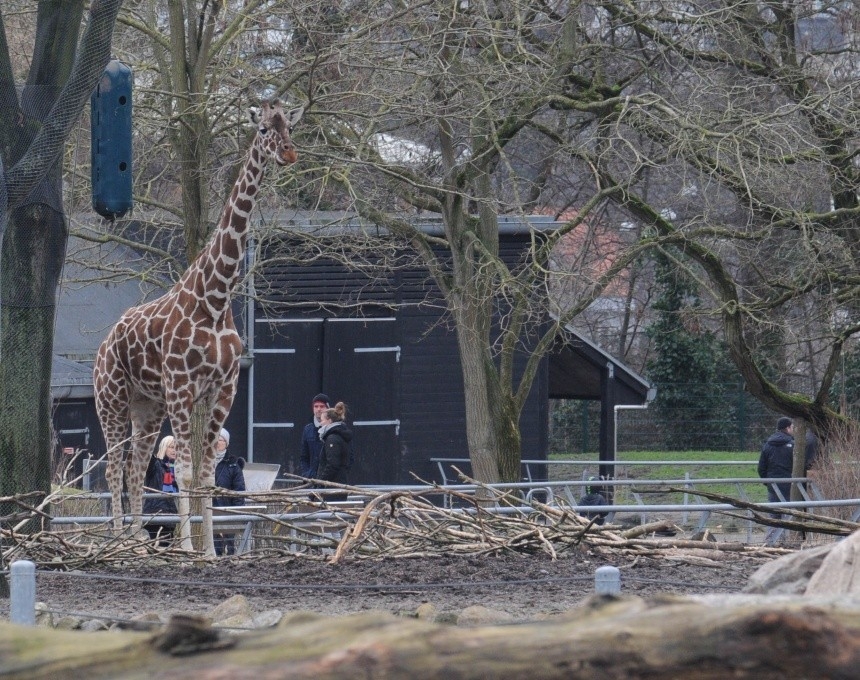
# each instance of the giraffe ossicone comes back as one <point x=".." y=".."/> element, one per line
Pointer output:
<point x="163" y="357"/>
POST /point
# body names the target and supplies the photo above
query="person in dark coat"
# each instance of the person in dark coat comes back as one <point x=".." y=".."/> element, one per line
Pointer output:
<point x="777" y="459"/>
<point x="161" y="476"/>
<point x="335" y="454"/>
<point x="228" y="475"/>
<point x="309" y="458"/>
<point x="593" y="497"/>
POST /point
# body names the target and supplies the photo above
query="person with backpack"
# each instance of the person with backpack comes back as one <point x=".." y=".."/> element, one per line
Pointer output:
<point x="335" y="455"/>
<point x="776" y="460"/>
<point x="228" y="475"/>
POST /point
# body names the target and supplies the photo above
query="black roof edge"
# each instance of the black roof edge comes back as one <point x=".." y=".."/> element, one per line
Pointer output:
<point x="600" y="357"/>
<point x="334" y="222"/>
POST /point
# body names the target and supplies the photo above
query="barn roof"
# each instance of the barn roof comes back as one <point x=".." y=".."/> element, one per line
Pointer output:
<point x="88" y="304"/>
<point x="70" y="379"/>
<point x="577" y="367"/>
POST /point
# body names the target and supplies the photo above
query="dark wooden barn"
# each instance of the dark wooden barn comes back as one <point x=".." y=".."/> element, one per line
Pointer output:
<point x="378" y="346"/>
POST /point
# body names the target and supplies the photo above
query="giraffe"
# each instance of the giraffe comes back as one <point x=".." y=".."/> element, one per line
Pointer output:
<point x="164" y="356"/>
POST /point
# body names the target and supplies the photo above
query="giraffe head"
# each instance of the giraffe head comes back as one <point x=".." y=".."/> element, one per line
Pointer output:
<point x="274" y="128"/>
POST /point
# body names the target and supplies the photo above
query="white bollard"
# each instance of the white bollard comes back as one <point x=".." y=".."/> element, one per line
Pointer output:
<point x="22" y="595"/>
<point x="607" y="581"/>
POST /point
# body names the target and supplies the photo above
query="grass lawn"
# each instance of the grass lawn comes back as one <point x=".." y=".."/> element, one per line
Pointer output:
<point x="641" y="465"/>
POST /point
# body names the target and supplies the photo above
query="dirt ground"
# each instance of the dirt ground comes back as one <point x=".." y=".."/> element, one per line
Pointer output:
<point x="527" y="587"/>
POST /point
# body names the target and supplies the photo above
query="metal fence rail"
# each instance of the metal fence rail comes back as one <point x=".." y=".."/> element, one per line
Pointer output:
<point x="536" y="470"/>
<point x="564" y="492"/>
<point x="530" y="467"/>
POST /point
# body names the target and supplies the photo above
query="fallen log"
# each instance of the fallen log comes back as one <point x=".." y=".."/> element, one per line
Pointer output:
<point x="650" y="527"/>
<point x="607" y="638"/>
<point x="674" y="543"/>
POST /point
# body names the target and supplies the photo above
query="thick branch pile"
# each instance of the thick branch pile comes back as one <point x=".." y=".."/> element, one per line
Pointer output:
<point x="400" y="523"/>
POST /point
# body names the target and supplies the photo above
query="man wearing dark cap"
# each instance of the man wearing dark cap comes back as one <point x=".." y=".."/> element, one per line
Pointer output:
<point x="777" y="459"/>
<point x="309" y="459"/>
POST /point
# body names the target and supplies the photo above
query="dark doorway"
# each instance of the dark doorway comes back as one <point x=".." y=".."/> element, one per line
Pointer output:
<point x="362" y="368"/>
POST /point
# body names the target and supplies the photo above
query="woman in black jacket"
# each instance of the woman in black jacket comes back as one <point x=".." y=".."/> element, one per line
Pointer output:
<point x="161" y="476"/>
<point x="335" y="454"/>
<point x="228" y="475"/>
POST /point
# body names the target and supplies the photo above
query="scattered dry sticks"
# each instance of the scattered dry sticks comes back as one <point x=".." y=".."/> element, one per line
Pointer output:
<point x="400" y="523"/>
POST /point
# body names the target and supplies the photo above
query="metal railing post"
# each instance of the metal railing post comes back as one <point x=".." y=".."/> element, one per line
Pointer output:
<point x="685" y="515"/>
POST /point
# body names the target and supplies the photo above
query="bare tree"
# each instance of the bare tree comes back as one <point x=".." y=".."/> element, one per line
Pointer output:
<point x="188" y="59"/>
<point x="746" y="112"/>
<point x="451" y="109"/>
<point x="724" y="130"/>
<point x="411" y="115"/>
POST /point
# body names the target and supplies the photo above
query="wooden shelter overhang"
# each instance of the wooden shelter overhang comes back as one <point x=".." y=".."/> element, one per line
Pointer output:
<point x="579" y="369"/>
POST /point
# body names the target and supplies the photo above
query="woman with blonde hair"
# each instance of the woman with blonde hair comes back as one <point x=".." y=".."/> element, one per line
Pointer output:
<point x="161" y="476"/>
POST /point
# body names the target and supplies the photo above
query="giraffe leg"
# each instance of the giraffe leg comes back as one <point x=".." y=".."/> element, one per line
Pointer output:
<point x="179" y="408"/>
<point x="207" y="478"/>
<point x="220" y="410"/>
<point x="185" y="479"/>
<point x="114" y="474"/>
<point x="113" y="414"/>
<point x="146" y="419"/>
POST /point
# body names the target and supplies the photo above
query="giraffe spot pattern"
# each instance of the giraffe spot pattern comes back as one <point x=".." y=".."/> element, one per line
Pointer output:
<point x="163" y="356"/>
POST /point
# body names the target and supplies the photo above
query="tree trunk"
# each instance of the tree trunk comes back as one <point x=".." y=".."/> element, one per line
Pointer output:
<point x="33" y="245"/>
<point x="798" y="463"/>
<point x="480" y="429"/>
<point x="614" y="639"/>
<point x="32" y="259"/>
<point x="199" y="427"/>
<point x="190" y="55"/>
<point x="492" y="417"/>
<point x="506" y="421"/>
<point x="798" y="466"/>
<point x="195" y="190"/>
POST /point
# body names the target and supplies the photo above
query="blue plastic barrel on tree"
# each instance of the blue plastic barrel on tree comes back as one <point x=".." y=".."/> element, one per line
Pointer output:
<point x="110" y="129"/>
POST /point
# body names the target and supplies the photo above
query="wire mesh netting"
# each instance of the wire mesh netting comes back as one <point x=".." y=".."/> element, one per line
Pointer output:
<point x="50" y="61"/>
<point x="738" y="423"/>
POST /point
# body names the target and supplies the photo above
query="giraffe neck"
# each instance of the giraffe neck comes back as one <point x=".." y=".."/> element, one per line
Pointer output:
<point x="213" y="275"/>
